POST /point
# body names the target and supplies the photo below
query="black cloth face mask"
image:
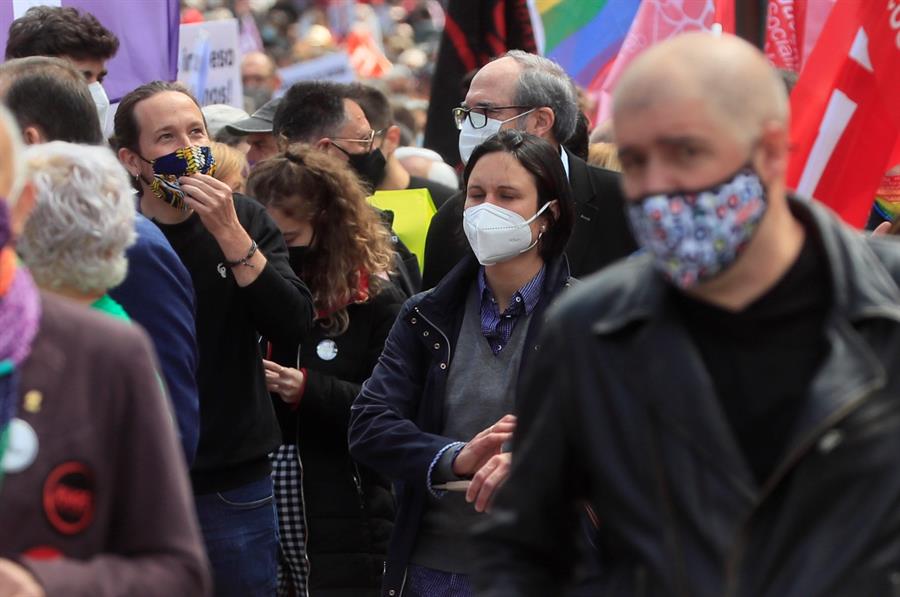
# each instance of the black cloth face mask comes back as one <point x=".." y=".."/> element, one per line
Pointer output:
<point x="368" y="166"/>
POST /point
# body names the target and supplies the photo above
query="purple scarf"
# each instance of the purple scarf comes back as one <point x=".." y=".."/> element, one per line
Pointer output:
<point x="20" y="312"/>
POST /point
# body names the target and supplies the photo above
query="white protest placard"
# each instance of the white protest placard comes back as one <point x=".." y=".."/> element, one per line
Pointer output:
<point x="330" y="67"/>
<point x="209" y="62"/>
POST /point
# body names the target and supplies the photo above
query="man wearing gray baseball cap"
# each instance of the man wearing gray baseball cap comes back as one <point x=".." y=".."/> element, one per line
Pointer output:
<point x="258" y="130"/>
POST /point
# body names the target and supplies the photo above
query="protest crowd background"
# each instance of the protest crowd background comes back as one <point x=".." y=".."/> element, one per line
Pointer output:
<point x="450" y="298"/>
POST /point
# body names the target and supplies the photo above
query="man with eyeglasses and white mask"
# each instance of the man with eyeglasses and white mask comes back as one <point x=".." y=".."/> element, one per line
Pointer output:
<point x="533" y="94"/>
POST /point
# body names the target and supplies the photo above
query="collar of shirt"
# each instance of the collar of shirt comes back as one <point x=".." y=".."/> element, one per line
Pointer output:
<point x="564" y="158"/>
<point x="498" y="327"/>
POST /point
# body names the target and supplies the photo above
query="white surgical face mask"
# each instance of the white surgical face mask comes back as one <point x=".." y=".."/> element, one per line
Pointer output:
<point x="470" y="137"/>
<point x="497" y="234"/>
<point x="101" y="100"/>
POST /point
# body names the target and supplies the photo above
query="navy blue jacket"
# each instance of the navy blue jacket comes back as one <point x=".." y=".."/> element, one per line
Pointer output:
<point x="158" y="294"/>
<point x="396" y="420"/>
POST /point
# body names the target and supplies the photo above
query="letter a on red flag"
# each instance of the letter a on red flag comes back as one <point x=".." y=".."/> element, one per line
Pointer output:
<point x="845" y="113"/>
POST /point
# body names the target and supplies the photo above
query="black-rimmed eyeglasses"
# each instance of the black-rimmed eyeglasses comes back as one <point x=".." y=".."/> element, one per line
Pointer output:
<point x="479" y="116"/>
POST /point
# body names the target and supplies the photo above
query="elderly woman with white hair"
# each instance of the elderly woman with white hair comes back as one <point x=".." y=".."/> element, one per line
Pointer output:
<point x="74" y="242"/>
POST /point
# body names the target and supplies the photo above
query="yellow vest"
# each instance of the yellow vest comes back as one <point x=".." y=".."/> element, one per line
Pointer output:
<point x="413" y="210"/>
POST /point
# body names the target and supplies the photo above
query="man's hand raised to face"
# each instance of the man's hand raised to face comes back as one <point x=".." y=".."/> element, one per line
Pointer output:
<point x="213" y="201"/>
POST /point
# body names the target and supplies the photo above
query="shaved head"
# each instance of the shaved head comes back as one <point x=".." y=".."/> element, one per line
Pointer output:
<point x="259" y="60"/>
<point x="727" y="75"/>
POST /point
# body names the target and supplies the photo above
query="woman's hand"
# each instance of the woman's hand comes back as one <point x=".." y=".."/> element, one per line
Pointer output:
<point x="287" y="382"/>
<point x="488" y="480"/>
<point x="483" y="447"/>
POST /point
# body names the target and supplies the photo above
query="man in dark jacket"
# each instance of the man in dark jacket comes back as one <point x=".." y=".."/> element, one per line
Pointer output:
<point x="245" y="286"/>
<point x="728" y="401"/>
<point x="534" y="94"/>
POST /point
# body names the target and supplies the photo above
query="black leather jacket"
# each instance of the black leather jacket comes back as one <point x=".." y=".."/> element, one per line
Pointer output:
<point x="621" y="411"/>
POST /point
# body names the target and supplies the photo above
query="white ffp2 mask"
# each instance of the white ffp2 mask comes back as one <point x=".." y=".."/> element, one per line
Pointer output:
<point x="101" y="100"/>
<point x="497" y="234"/>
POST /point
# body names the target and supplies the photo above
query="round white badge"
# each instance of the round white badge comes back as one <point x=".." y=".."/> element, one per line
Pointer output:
<point x="327" y="350"/>
<point x="22" y="448"/>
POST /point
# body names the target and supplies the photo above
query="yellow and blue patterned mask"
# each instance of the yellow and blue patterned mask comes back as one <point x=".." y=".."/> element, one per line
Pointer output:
<point x="169" y="168"/>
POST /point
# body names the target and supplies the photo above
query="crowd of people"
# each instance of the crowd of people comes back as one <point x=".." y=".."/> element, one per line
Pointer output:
<point x="641" y="366"/>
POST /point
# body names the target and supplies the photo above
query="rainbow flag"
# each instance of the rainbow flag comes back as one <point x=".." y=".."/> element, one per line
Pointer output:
<point x="583" y="36"/>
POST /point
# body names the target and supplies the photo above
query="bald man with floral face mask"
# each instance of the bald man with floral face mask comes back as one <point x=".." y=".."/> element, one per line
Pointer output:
<point x="726" y="402"/>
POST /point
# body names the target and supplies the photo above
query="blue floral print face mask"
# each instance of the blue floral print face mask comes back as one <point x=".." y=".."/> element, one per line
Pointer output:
<point x="696" y="235"/>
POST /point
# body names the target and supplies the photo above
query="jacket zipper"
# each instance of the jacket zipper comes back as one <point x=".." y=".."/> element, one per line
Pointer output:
<point x="357" y="481"/>
<point x="403" y="582"/>
<point x="439" y="330"/>
<point x="734" y="561"/>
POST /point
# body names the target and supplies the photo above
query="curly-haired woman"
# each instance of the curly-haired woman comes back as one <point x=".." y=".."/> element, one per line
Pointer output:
<point x="339" y="246"/>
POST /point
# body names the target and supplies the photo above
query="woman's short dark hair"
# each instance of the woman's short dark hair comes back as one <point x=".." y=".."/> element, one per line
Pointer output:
<point x="543" y="162"/>
<point x="127" y="132"/>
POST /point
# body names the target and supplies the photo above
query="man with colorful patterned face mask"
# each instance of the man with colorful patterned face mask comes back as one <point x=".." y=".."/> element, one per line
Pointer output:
<point x="245" y="286"/>
<point x="167" y="169"/>
<point x="727" y="397"/>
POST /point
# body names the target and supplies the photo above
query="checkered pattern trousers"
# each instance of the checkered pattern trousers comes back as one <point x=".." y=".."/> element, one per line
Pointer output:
<point x="293" y="568"/>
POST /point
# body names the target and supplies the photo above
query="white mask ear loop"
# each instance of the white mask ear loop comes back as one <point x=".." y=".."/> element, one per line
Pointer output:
<point x="541" y="233"/>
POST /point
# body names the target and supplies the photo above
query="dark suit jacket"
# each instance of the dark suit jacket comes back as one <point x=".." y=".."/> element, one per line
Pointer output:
<point x="600" y="237"/>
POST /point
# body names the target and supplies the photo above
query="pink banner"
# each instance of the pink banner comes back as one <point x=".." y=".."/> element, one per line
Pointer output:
<point x="657" y="20"/>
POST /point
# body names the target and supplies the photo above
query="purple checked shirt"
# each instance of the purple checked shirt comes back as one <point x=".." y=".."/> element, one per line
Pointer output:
<point x="498" y="327"/>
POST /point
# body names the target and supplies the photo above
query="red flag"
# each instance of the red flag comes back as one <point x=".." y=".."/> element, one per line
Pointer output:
<point x="846" y="117"/>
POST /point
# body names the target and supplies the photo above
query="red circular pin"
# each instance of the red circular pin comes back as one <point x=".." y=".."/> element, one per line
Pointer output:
<point x="69" y="497"/>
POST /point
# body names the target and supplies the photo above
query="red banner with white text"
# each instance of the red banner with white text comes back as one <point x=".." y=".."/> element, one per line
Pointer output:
<point x="784" y="44"/>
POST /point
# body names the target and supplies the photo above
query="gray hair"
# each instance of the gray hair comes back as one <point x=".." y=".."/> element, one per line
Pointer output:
<point x="16" y="151"/>
<point x="83" y="218"/>
<point x="545" y="83"/>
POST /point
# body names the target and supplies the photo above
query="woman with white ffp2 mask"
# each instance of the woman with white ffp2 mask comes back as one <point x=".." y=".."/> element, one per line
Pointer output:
<point x="455" y="356"/>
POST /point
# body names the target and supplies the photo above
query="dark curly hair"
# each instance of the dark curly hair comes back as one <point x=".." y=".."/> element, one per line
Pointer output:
<point x="54" y="31"/>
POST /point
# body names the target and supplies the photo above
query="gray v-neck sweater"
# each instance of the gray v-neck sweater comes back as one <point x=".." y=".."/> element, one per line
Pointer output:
<point x="480" y="389"/>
